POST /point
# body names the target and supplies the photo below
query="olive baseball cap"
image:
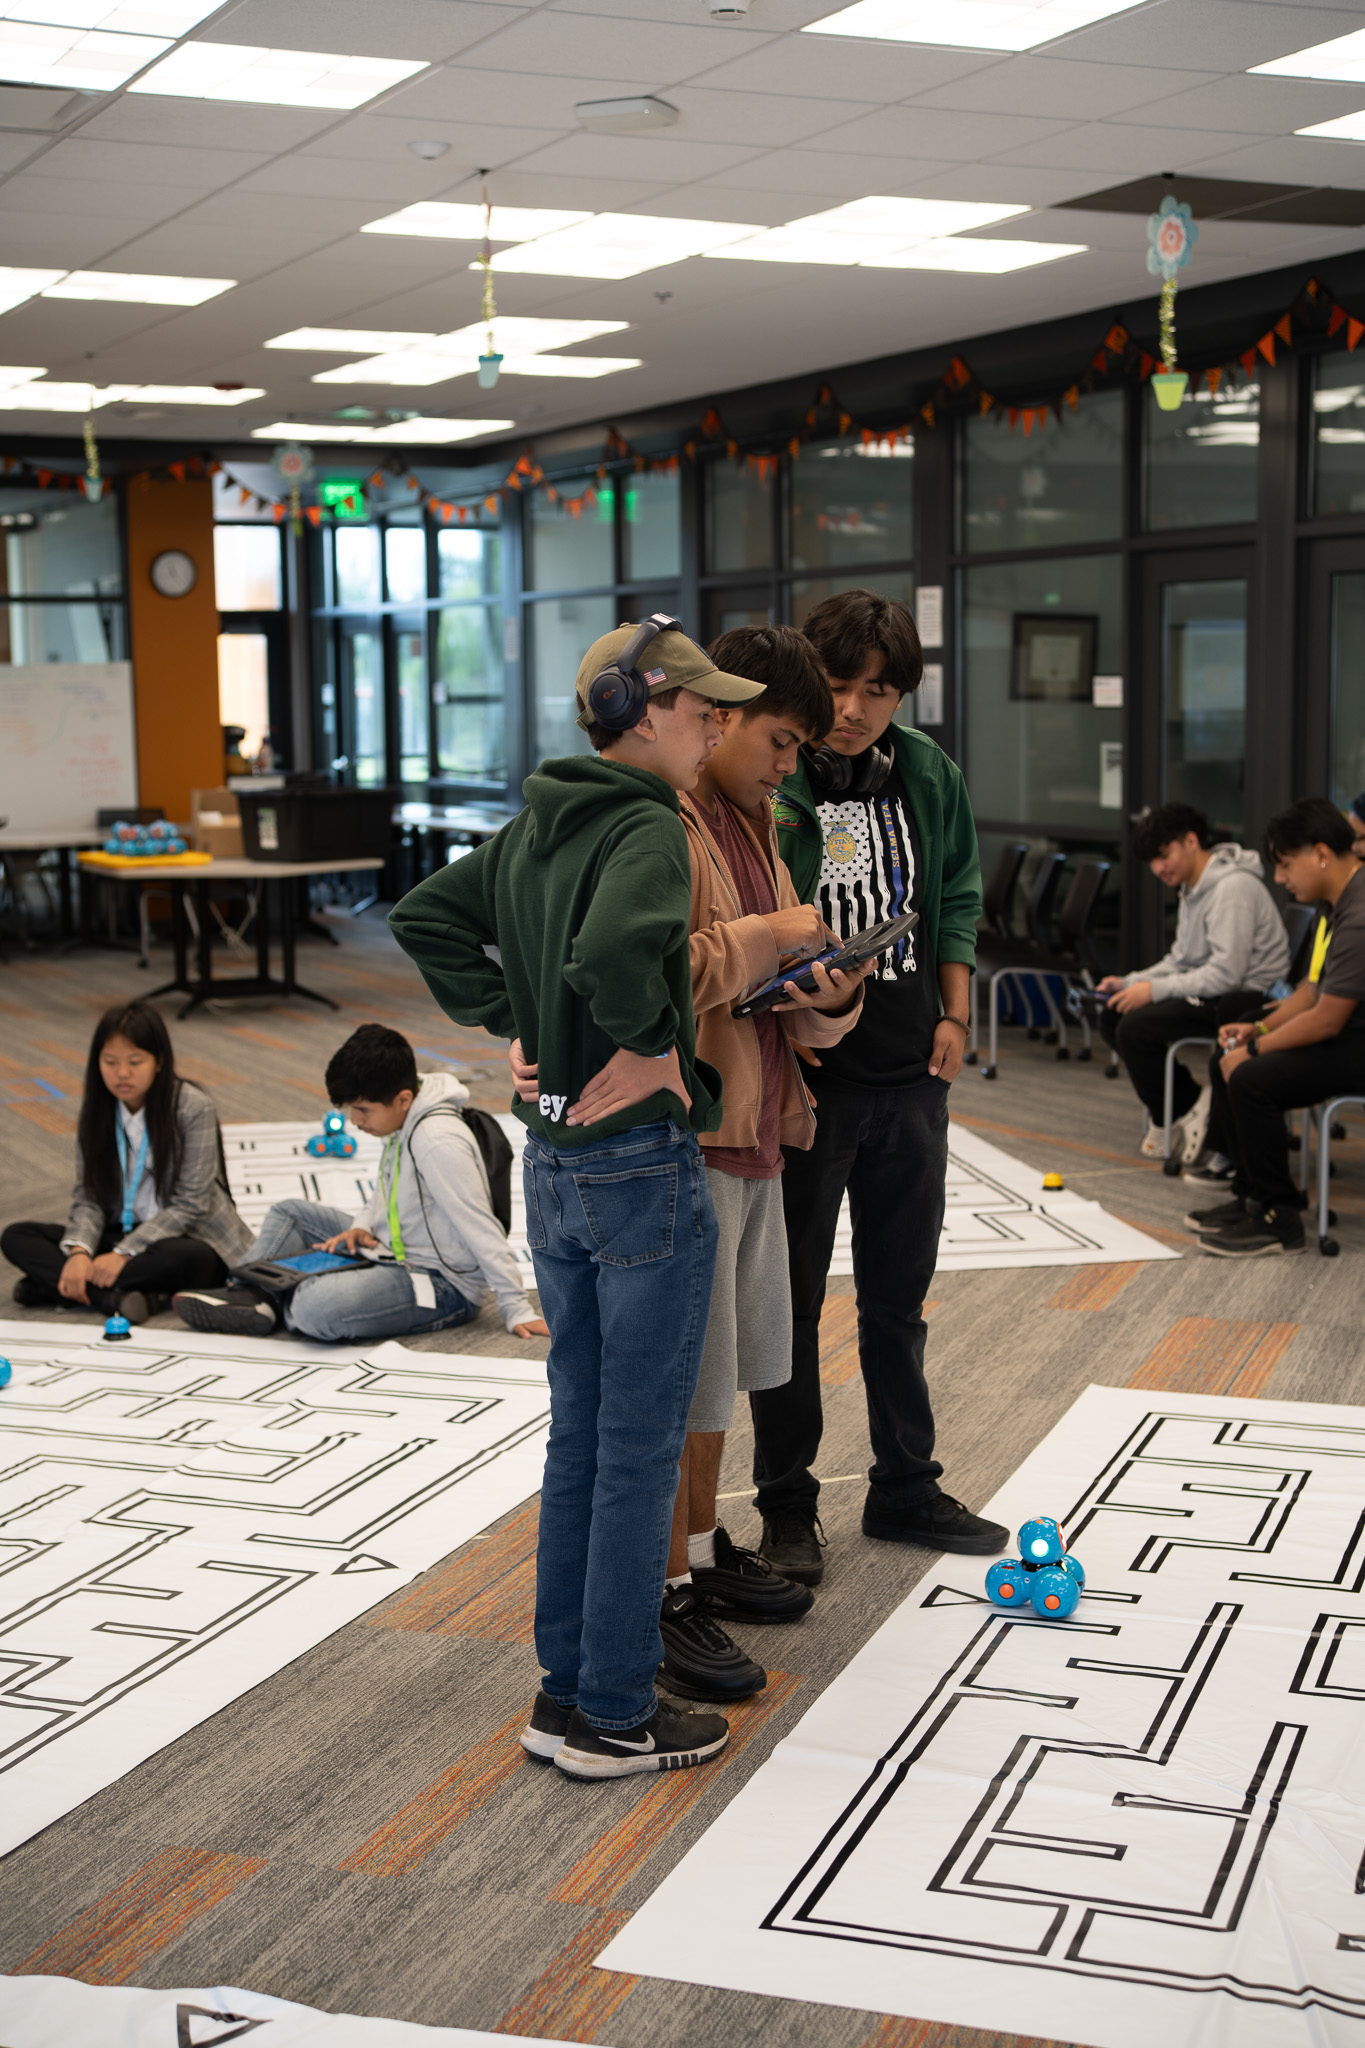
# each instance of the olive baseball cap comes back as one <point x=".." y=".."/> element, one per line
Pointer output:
<point x="670" y="662"/>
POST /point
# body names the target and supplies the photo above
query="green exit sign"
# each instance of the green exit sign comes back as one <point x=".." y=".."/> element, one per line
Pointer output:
<point x="343" y="497"/>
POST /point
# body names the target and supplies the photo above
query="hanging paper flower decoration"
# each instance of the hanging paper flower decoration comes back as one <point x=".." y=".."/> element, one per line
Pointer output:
<point x="1172" y="233"/>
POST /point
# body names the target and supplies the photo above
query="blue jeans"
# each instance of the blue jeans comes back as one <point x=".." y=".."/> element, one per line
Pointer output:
<point x="623" y="1237"/>
<point x="351" y="1308"/>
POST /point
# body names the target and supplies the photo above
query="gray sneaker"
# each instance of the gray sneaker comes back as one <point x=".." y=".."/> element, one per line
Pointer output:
<point x="229" y="1311"/>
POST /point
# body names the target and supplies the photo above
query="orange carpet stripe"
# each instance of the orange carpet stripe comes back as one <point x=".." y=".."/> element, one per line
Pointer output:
<point x="255" y="1037"/>
<point x="111" y="1941"/>
<point x="47" y="1115"/>
<point x="1206" y="1355"/>
<point x="441" y="1600"/>
<point x="1177" y="1238"/>
<point x="1094" y="1287"/>
<point x="977" y="1123"/>
<point x="894" y="2033"/>
<point x="571" y="2001"/>
<point x="616" y="1856"/>
<point x="426" y="1821"/>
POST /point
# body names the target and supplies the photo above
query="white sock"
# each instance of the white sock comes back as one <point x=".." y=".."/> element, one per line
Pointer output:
<point x="683" y="1579"/>
<point x="701" y="1551"/>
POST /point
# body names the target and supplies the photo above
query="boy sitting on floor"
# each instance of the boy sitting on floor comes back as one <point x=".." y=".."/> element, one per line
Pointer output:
<point x="435" y="1246"/>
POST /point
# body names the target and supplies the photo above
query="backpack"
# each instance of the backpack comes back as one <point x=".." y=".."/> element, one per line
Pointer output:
<point x="496" y="1154"/>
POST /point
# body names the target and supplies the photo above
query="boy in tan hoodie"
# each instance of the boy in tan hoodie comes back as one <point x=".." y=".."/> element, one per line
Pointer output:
<point x="746" y="920"/>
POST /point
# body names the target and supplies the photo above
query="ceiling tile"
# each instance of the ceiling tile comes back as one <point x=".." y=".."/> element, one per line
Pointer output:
<point x="355" y="28"/>
<point x="563" y="43"/>
<point x="70" y="198"/>
<point x="655" y="157"/>
<point x="1044" y="87"/>
<point x="14" y="149"/>
<point x="502" y="97"/>
<point x="241" y="212"/>
<point x="382" y="139"/>
<point x="144" y="118"/>
<point x="187" y="248"/>
<point x="829" y="67"/>
<point x="769" y="119"/>
<point x="73" y="242"/>
<point x="814" y="175"/>
<point x="133" y="163"/>
<point x="407" y="178"/>
<point x="1290" y="160"/>
<point x="928" y="131"/>
<point x="518" y="187"/>
<point x="1204" y="35"/>
<point x="1108" y="146"/>
<point x="1264" y="106"/>
<point x="1028" y="187"/>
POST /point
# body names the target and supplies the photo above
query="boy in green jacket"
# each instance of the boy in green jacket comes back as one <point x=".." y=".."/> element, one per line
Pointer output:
<point x="874" y="822"/>
<point x="586" y="898"/>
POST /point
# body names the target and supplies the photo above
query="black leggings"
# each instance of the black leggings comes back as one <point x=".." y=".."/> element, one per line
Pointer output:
<point x="165" y="1267"/>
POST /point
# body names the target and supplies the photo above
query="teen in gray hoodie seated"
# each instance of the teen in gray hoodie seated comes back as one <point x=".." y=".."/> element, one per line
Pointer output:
<point x="431" y="1245"/>
<point x="1230" y="948"/>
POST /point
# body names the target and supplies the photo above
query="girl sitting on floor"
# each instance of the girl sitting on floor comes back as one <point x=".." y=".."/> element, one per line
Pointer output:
<point x="151" y="1212"/>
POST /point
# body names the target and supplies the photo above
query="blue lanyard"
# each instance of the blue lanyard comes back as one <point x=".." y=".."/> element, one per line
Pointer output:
<point x="897" y="878"/>
<point x="130" y="1186"/>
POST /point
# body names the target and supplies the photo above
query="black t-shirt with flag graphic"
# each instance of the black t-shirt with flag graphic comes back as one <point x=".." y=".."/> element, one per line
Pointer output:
<point x="872" y="870"/>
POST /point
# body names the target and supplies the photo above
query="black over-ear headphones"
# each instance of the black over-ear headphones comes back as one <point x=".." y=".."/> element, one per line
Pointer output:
<point x="619" y="698"/>
<point x="848" y="774"/>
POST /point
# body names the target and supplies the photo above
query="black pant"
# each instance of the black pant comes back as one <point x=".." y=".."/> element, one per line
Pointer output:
<point x="890" y="1151"/>
<point x="1142" y="1038"/>
<point x="1249" y="1110"/>
<point x="165" y="1267"/>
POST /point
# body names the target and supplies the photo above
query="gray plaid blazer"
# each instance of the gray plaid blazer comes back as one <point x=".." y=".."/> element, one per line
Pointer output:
<point x="200" y="1205"/>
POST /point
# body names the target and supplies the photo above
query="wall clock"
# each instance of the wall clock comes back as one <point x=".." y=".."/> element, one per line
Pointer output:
<point x="173" y="573"/>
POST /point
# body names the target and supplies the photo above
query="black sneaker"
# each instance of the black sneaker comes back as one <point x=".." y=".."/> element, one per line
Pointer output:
<point x="700" y="1660"/>
<point x="670" y="1740"/>
<point x="792" y="1542"/>
<point x="1223" y="1217"/>
<point x="744" y="1587"/>
<point x="1209" y="1176"/>
<point x="32" y="1294"/>
<point x="1257" y="1237"/>
<point x="543" y="1735"/>
<point x="232" y="1311"/>
<point x="940" y="1523"/>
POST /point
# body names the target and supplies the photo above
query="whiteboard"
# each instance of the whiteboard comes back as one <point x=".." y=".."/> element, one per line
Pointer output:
<point x="67" y="745"/>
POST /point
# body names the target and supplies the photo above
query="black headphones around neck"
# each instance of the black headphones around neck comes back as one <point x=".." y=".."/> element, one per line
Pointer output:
<point x="619" y="698"/>
<point x="848" y="774"/>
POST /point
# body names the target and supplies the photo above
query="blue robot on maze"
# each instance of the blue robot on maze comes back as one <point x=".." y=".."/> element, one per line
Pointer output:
<point x="1045" y="1576"/>
<point x="333" y="1140"/>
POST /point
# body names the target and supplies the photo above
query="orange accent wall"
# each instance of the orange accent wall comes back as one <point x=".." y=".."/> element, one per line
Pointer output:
<point x="174" y="645"/>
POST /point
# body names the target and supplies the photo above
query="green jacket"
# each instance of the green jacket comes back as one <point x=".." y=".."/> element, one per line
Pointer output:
<point x="937" y="796"/>
<point x="587" y="896"/>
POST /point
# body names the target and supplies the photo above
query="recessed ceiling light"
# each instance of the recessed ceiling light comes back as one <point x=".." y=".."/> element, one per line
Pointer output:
<point x="866" y="230"/>
<point x="415" y="432"/>
<point x="274" y="78"/>
<point x="568" y="366"/>
<point x="92" y="61"/>
<point x="180" y="394"/>
<point x="625" y="117"/>
<point x="12" y="374"/>
<point x="1343" y="58"/>
<point x="134" y="289"/>
<point x="967" y="24"/>
<point x="346" y="340"/>
<point x="16" y="286"/>
<point x="621" y="245"/>
<point x="168" y="18"/>
<point x="414" y="367"/>
<point x="41" y="397"/>
<point x="38" y="396"/>
<point x="437" y="357"/>
<point x="991" y="259"/>
<point x="450" y="222"/>
<point x="1346" y="128"/>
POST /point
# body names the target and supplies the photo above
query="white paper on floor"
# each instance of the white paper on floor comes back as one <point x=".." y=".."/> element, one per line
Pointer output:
<point x="182" y="1515"/>
<point x="998" y="1212"/>
<point x="57" y="2012"/>
<point x="1143" y="1824"/>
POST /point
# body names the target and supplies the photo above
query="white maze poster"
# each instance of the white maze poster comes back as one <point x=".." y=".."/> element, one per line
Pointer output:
<point x="182" y="1515"/>
<point x="1145" y="1824"/>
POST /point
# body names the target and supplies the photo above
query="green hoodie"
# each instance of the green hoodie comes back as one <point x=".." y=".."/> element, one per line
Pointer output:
<point x="937" y="796"/>
<point x="587" y="896"/>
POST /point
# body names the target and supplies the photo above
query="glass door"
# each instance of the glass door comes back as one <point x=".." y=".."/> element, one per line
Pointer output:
<point x="1335" y="697"/>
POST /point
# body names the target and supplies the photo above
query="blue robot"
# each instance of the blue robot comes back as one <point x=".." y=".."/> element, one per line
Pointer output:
<point x="333" y="1141"/>
<point x="6" y="1372"/>
<point x="118" y="1330"/>
<point x="1045" y="1576"/>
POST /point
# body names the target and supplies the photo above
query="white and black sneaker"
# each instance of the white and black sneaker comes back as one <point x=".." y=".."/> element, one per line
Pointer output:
<point x="669" y="1740"/>
<point x="1194" y="1127"/>
<point x="1211" y="1170"/>
<point x="232" y="1311"/>
<point x="543" y="1735"/>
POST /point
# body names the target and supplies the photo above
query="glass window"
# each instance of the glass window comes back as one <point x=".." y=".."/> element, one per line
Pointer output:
<point x="1061" y="483"/>
<point x="60" y="546"/>
<point x="470" y="728"/>
<point x="405" y="564"/>
<point x="61" y="632"/>
<point x="564" y="552"/>
<point x="562" y="631"/>
<point x="357" y="564"/>
<point x="1040" y="750"/>
<point x="652" y="525"/>
<point x="246" y="569"/>
<point x="1201" y="459"/>
<point x="850" y="504"/>
<point x="1339" y="435"/>
<point x="1204" y="672"/>
<point x="1348" y="689"/>
<point x="739" y="517"/>
<point x="468" y="562"/>
<point x="813" y="590"/>
<point x="362" y="678"/>
<point x="410" y="669"/>
<point x="244" y="685"/>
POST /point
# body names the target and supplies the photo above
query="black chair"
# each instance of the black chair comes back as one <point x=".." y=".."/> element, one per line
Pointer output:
<point x="1077" y="955"/>
<point x="1026" y="960"/>
<point x="997" y="911"/>
<point x="1301" y="923"/>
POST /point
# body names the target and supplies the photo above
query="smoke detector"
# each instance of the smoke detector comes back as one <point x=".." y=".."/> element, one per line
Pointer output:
<point x="428" y="148"/>
<point x="727" y="10"/>
<point x="625" y="117"/>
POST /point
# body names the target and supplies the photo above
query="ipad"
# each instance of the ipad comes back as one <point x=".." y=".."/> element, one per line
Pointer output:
<point x="878" y="938"/>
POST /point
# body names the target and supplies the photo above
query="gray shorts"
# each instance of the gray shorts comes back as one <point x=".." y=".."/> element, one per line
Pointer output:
<point x="749" y="1334"/>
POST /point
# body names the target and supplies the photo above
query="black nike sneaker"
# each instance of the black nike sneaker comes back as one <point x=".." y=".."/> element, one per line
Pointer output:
<point x="232" y="1311"/>
<point x="701" y="1662"/>
<point x="670" y="1740"/>
<point x="543" y="1735"/>
<point x="939" y="1523"/>
<point x="742" y="1586"/>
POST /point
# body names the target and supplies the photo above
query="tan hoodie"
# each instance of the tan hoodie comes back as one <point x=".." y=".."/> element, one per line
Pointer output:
<point x="732" y="953"/>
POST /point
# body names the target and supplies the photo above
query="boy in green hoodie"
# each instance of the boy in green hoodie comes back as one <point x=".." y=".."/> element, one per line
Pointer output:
<point x="586" y="897"/>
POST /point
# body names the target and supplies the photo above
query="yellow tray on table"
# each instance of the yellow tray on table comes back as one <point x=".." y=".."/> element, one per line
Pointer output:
<point x="145" y="860"/>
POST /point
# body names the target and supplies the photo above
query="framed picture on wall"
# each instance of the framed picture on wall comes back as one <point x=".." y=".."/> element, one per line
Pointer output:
<point x="1054" y="657"/>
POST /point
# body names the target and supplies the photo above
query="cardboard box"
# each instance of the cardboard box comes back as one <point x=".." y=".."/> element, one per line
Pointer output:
<point x="216" y="823"/>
